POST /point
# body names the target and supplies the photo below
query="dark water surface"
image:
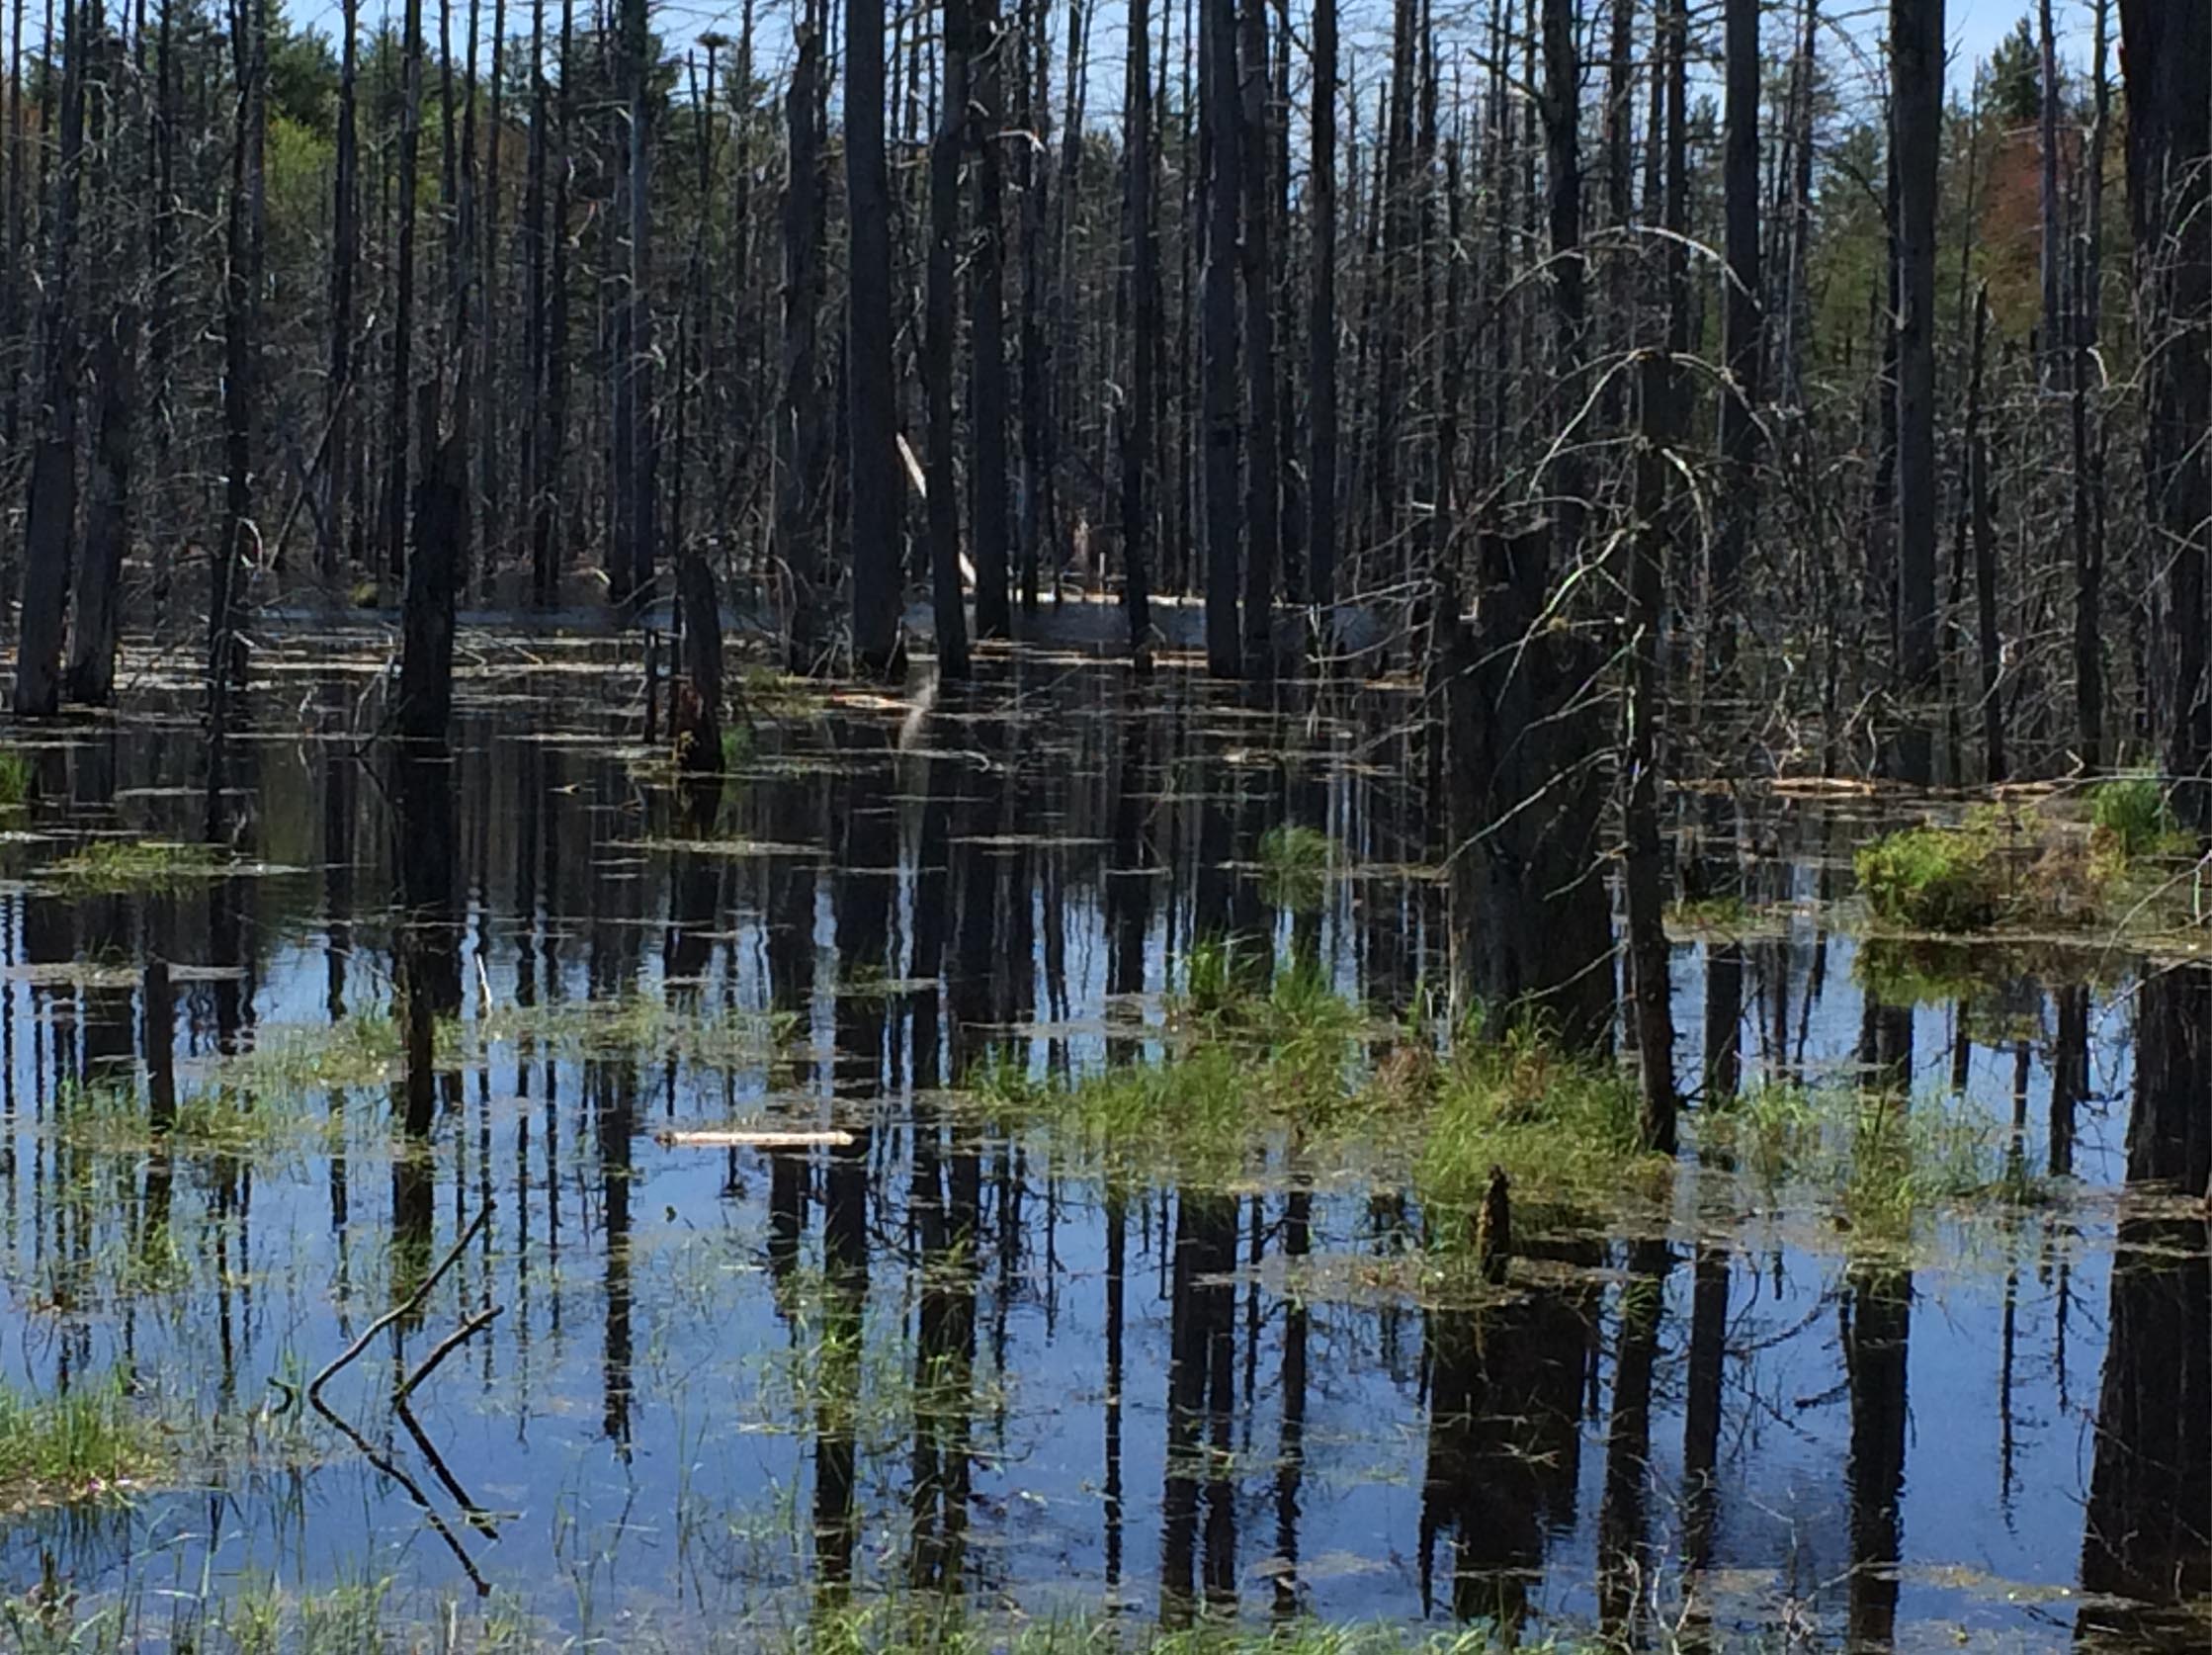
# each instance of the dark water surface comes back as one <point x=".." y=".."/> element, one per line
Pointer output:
<point x="726" y="1386"/>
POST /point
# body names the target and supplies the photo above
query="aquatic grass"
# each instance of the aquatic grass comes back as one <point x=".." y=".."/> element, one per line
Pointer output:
<point x="2131" y="814"/>
<point x="17" y="779"/>
<point x="1562" y="1127"/>
<point x="85" y="1444"/>
<point x="1295" y="863"/>
<point x="1937" y="879"/>
<point x="1880" y="1165"/>
<point x="360" y="1050"/>
<point x="120" y="867"/>
<point x="644" y="1025"/>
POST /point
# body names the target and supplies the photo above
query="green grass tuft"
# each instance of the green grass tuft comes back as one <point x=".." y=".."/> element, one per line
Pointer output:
<point x="1294" y="862"/>
<point x="86" y="1444"/>
<point x="116" y="867"/>
<point x="2132" y="815"/>
<point x="16" y="779"/>
<point x="1936" y="879"/>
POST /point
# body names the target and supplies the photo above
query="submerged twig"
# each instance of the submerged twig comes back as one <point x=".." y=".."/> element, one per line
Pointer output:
<point x="406" y="1307"/>
<point x="447" y="1347"/>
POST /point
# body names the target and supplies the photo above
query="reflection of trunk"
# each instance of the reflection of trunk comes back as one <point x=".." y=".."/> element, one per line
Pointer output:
<point x="1506" y="1396"/>
<point x="2070" y="1073"/>
<point x="1290" y="1472"/>
<point x="1201" y="1348"/>
<point x="2149" y="1532"/>
<point x="613" y="1095"/>
<point x="1117" y="1254"/>
<point x="2169" y="1134"/>
<point x="1701" y="1417"/>
<point x="1628" y="1441"/>
<point x="426" y="948"/>
<point x="1877" y="1324"/>
<point x="1534" y="924"/>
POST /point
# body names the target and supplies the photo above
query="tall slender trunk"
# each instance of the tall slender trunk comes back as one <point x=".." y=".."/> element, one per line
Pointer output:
<point x="1321" y="329"/>
<point x="800" y="439"/>
<point x="2166" y="50"/>
<point x="12" y="366"/>
<point x="1218" y="116"/>
<point x="871" y="397"/>
<point x="1744" y="342"/>
<point x="987" y="321"/>
<point x="400" y="407"/>
<point x="1917" y="124"/>
<point x="1263" y="468"/>
<point x="1984" y="548"/>
<point x="1647" y="605"/>
<point x="491" y="409"/>
<point x="344" y="256"/>
<point x="2051" y="341"/>
<point x="2089" y="478"/>
<point x="50" y="524"/>
<point x="939" y="341"/>
<point x="631" y="568"/>
<point x="1562" y="166"/>
<point x="1138" y="302"/>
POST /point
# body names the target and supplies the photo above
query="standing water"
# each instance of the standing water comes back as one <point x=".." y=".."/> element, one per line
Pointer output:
<point x="889" y="1339"/>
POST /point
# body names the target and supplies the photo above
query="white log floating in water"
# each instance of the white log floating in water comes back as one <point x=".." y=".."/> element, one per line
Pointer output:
<point x="745" y="1137"/>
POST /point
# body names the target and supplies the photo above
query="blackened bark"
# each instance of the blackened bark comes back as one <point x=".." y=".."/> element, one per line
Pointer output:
<point x="1262" y="464"/>
<point x="400" y="407"/>
<point x="1218" y="120"/>
<point x="107" y="525"/>
<point x="800" y="440"/>
<point x="871" y="398"/>
<point x="1984" y="550"/>
<point x="1320" y="337"/>
<point x="1915" y="139"/>
<point x="938" y="344"/>
<point x="1140" y="296"/>
<point x="986" y="324"/>
<point x="427" y="618"/>
<point x="2168" y="52"/>
<point x="344" y="256"/>
<point x="1563" y="163"/>
<point x="1744" y="337"/>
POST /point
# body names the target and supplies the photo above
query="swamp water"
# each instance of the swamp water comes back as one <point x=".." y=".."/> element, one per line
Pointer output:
<point x="730" y="1393"/>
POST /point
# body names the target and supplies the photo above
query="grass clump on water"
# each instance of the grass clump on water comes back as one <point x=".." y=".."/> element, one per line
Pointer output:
<point x="2132" y="817"/>
<point x="1294" y="864"/>
<point x="16" y="779"/>
<point x="1997" y="866"/>
<point x="117" y="867"/>
<point x="80" y="1444"/>
<point x="1248" y="1073"/>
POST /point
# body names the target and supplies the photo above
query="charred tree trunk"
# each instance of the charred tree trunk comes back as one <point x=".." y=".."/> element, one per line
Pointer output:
<point x="1657" y="460"/>
<point x="1984" y="550"/>
<point x="939" y="342"/>
<point x="1263" y="468"/>
<point x="2167" y="51"/>
<point x="1744" y="340"/>
<point x="425" y="710"/>
<point x="1532" y="922"/>
<point x="631" y="563"/>
<point x="871" y="397"/>
<point x="50" y="523"/>
<point x="107" y="525"/>
<point x="800" y="436"/>
<point x="1139" y="298"/>
<point x="1915" y="139"/>
<point x="986" y="322"/>
<point x="400" y="407"/>
<point x="1320" y="336"/>
<point x="345" y="257"/>
<point x="1217" y="337"/>
<point x="2088" y="478"/>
